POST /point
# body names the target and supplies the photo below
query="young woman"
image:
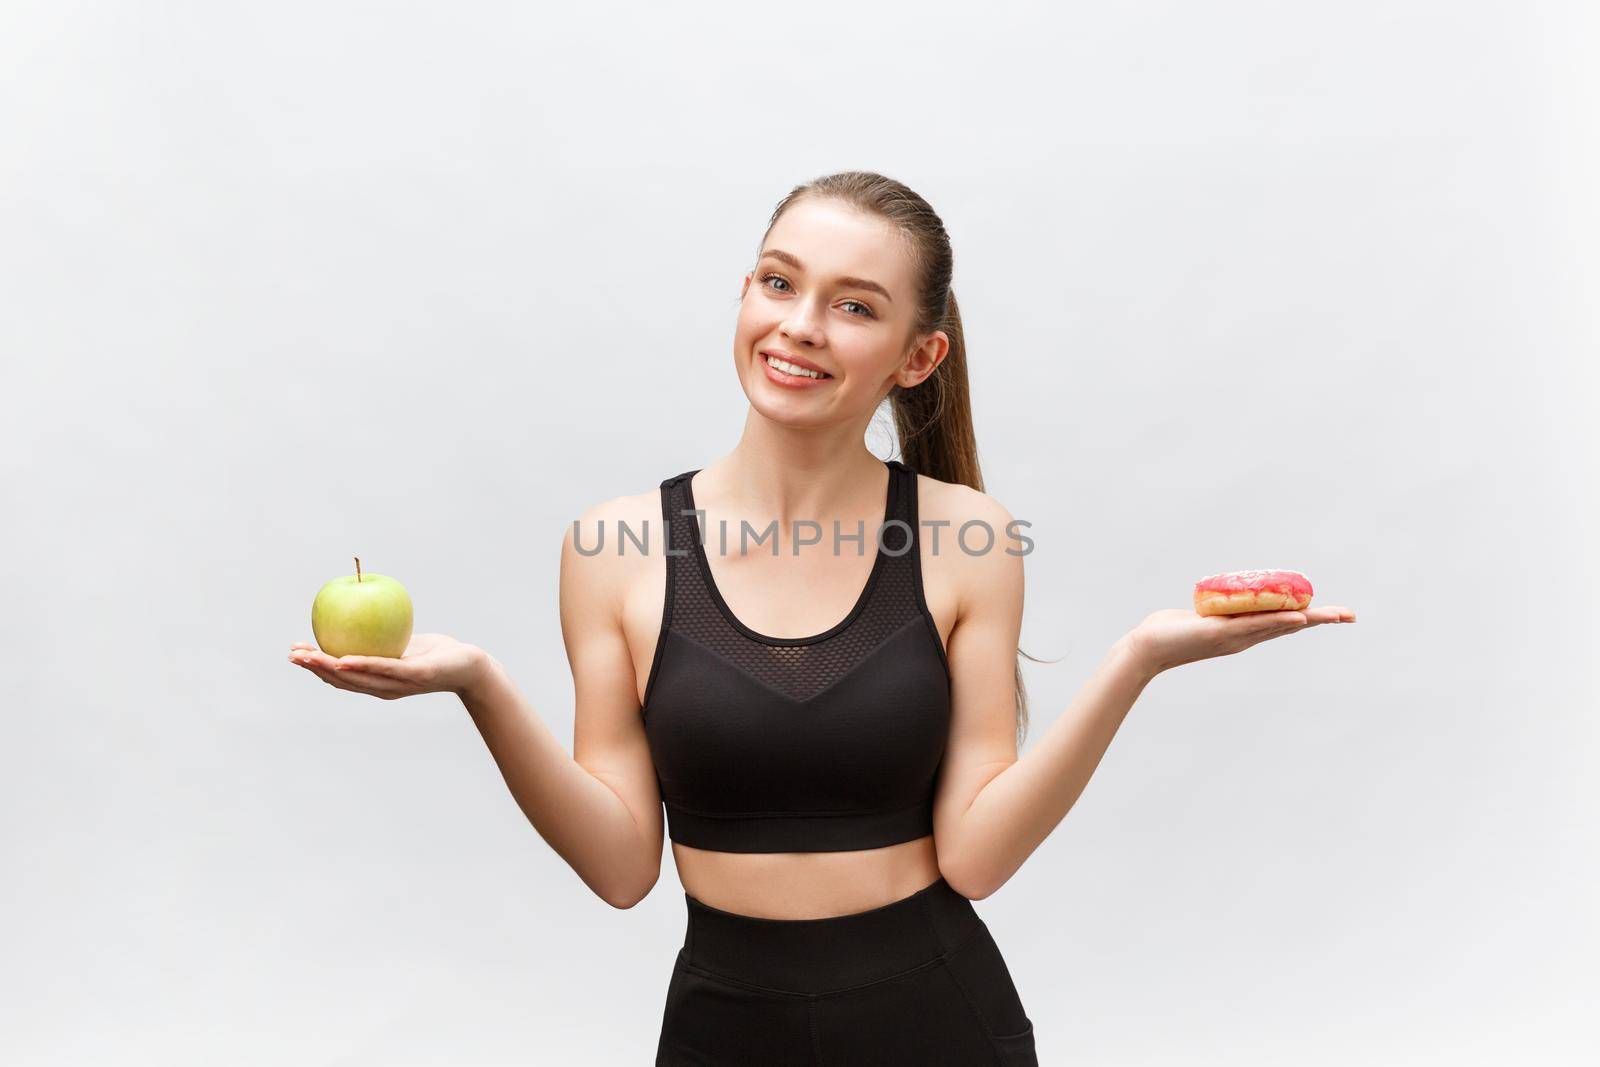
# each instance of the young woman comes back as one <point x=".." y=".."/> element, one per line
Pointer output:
<point x="828" y="707"/>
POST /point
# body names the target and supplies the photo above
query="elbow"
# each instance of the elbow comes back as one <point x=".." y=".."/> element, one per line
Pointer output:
<point x="623" y="897"/>
<point x="972" y="881"/>
<point x="973" y="888"/>
<point x="624" y="901"/>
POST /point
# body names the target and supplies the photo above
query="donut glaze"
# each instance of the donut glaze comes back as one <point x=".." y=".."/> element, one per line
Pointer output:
<point x="1238" y="592"/>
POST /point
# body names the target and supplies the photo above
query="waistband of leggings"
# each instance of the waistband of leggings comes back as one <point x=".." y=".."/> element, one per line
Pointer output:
<point x="810" y="956"/>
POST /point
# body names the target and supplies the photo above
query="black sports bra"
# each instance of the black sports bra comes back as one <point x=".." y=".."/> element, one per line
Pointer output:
<point x="798" y="744"/>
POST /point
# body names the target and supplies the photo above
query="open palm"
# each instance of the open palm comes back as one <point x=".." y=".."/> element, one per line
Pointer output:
<point x="431" y="663"/>
<point x="1175" y="636"/>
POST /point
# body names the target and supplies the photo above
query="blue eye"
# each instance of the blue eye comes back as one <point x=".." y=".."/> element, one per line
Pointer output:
<point x="865" y="312"/>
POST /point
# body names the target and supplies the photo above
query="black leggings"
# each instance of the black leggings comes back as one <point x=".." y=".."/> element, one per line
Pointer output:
<point x="918" y="981"/>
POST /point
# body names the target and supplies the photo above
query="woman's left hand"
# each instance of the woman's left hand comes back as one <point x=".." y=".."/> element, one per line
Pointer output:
<point x="431" y="663"/>
<point x="1175" y="636"/>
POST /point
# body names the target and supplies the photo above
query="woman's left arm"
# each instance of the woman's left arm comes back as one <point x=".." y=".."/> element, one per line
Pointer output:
<point x="992" y="808"/>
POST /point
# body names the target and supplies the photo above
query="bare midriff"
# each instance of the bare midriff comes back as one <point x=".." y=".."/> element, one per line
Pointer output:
<point x="806" y="885"/>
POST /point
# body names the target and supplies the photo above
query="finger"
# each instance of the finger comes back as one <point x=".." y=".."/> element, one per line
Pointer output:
<point x="329" y="677"/>
<point x="1289" y="622"/>
<point x="1254" y="623"/>
<point x="352" y="680"/>
<point x="311" y="657"/>
<point x="366" y="681"/>
<point x="301" y="644"/>
<point x="381" y="665"/>
<point x="1317" y="616"/>
<point x="356" y="682"/>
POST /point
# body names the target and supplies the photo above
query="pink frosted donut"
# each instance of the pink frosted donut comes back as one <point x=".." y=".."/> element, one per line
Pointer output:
<point x="1238" y="592"/>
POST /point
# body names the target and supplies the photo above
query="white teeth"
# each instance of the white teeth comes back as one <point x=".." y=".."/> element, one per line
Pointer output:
<point x="792" y="368"/>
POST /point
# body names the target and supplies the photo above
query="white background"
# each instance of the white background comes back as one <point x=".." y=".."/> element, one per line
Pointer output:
<point x="1245" y="284"/>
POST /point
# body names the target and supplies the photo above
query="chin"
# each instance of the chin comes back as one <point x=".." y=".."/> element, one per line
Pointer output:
<point x="778" y="405"/>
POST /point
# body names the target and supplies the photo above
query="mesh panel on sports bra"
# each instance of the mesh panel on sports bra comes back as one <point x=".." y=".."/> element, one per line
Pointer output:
<point x="804" y="744"/>
<point x="799" y="667"/>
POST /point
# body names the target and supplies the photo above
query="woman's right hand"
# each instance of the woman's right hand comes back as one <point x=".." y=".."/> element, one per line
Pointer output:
<point x="431" y="663"/>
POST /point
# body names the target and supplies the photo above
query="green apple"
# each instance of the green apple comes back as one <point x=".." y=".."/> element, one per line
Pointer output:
<point x="362" y="615"/>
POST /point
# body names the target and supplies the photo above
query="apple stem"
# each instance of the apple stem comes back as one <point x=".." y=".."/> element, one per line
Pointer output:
<point x="358" y="569"/>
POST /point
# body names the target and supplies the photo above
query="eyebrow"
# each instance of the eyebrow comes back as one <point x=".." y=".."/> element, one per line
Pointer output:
<point x="850" y="283"/>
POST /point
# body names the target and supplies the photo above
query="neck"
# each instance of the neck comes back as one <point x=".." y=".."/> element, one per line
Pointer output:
<point x="787" y="474"/>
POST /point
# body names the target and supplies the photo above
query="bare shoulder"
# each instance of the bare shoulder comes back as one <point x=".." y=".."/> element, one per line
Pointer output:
<point x="971" y="540"/>
<point x="606" y="547"/>
<point x="950" y="506"/>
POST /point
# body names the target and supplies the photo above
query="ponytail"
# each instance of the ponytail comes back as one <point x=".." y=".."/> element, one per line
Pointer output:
<point x="933" y="422"/>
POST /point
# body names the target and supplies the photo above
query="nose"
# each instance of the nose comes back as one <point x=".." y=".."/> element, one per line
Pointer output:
<point x="804" y="326"/>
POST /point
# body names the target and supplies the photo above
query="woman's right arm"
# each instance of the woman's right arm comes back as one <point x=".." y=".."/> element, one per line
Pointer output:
<point x="600" y="808"/>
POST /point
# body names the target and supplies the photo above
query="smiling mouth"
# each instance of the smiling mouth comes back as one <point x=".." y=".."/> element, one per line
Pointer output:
<point x="783" y="366"/>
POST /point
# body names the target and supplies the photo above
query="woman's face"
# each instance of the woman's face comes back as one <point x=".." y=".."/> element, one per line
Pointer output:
<point x="832" y="292"/>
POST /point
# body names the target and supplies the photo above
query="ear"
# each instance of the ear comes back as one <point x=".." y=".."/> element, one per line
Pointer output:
<point x="924" y="359"/>
<point x="745" y="288"/>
